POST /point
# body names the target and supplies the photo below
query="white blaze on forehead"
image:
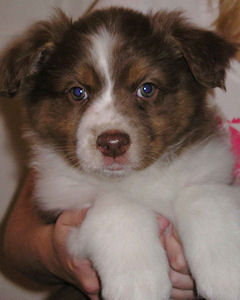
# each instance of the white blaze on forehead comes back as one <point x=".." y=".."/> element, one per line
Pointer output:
<point x="102" y="114"/>
<point x="103" y="110"/>
<point x="102" y="44"/>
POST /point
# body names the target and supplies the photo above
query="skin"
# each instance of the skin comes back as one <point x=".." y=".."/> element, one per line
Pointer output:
<point x="183" y="284"/>
<point x="48" y="261"/>
<point x="51" y="264"/>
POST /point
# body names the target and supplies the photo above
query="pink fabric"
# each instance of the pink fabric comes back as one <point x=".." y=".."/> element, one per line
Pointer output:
<point x="234" y="127"/>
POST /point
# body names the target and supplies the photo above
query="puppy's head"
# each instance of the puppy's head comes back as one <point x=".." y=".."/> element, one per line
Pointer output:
<point x="115" y="90"/>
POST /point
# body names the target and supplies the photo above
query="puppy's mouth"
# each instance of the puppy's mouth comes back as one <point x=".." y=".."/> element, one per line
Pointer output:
<point x="115" y="164"/>
<point x="116" y="170"/>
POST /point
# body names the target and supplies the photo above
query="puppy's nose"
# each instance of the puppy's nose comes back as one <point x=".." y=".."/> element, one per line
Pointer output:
<point x="113" y="143"/>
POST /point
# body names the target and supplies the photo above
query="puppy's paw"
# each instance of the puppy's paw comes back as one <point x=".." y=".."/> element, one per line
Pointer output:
<point x="139" y="285"/>
<point x="75" y="243"/>
<point x="217" y="266"/>
<point x="219" y="280"/>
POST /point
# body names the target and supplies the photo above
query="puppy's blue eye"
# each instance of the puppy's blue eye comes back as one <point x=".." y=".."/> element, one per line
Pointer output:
<point x="147" y="90"/>
<point x="78" y="93"/>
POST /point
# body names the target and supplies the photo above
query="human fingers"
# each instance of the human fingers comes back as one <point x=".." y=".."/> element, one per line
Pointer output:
<point x="72" y="218"/>
<point x="60" y="232"/>
<point x="181" y="281"/>
<point x="87" y="278"/>
<point x="163" y="223"/>
<point x="172" y="244"/>
<point x="64" y="223"/>
<point x="175" y="252"/>
<point x="178" y="294"/>
<point x="79" y="272"/>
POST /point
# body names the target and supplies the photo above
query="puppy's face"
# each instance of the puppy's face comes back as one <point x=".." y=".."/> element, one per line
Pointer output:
<point x="114" y="91"/>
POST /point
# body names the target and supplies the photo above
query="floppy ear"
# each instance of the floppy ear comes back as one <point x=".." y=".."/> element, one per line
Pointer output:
<point x="206" y="53"/>
<point x="25" y="56"/>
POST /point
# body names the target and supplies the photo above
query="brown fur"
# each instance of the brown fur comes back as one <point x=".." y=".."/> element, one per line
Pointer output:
<point x="184" y="62"/>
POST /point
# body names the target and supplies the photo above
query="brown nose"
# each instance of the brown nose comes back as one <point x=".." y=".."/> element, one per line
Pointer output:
<point x="113" y="143"/>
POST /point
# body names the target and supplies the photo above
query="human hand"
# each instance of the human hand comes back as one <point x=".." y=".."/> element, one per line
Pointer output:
<point x="181" y="279"/>
<point x="43" y="249"/>
<point x="42" y="254"/>
<point x="79" y="272"/>
<point x="82" y="275"/>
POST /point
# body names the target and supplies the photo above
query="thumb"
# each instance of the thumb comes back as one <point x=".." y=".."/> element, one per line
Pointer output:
<point x="72" y="218"/>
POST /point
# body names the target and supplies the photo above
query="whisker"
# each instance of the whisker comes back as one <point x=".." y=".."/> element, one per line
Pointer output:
<point x="160" y="131"/>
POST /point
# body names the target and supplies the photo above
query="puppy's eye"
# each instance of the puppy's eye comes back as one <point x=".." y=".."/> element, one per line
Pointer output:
<point x="147" y="90"/>
<point x="78" y="93"/>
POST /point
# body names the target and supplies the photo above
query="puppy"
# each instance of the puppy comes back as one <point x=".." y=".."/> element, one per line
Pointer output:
<point x="118" y="119"/>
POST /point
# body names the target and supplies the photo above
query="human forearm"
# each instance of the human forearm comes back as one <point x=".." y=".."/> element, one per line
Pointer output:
<point x="24" y="236"/>
<point x="39" y="251"/>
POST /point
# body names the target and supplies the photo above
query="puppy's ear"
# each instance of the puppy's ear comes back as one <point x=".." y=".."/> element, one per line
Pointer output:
<point x="25" y="56"/>
<point x="207" y="54"/>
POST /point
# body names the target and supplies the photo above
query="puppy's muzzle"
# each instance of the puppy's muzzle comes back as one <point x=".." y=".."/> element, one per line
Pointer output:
<point x="113" y="143"/>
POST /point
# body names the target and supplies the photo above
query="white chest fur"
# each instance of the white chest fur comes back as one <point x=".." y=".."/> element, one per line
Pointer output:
<point x="120" y="233"/>
<point x="62" y="187"/>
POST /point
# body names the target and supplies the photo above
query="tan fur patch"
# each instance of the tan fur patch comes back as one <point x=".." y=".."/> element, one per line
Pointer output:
<point x="137" y="72"/>
<point x="161" y="49"/>
<point x="85" y="76"/>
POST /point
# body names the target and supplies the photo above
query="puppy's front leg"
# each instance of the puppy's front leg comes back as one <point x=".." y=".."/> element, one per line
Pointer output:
<point x="208" y="221"/>
<point x="121" y="239"/>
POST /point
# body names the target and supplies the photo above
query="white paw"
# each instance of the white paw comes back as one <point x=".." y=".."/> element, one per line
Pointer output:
<point x="219" y="283"/>
<point x="216" y="266"/>
<point x="140" y="285"/>
<point x="75" y="243"/>
<point x="210" y="231"/>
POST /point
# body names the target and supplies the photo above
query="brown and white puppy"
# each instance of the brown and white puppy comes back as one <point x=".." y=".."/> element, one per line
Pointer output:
<point x="117" y="116"/>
